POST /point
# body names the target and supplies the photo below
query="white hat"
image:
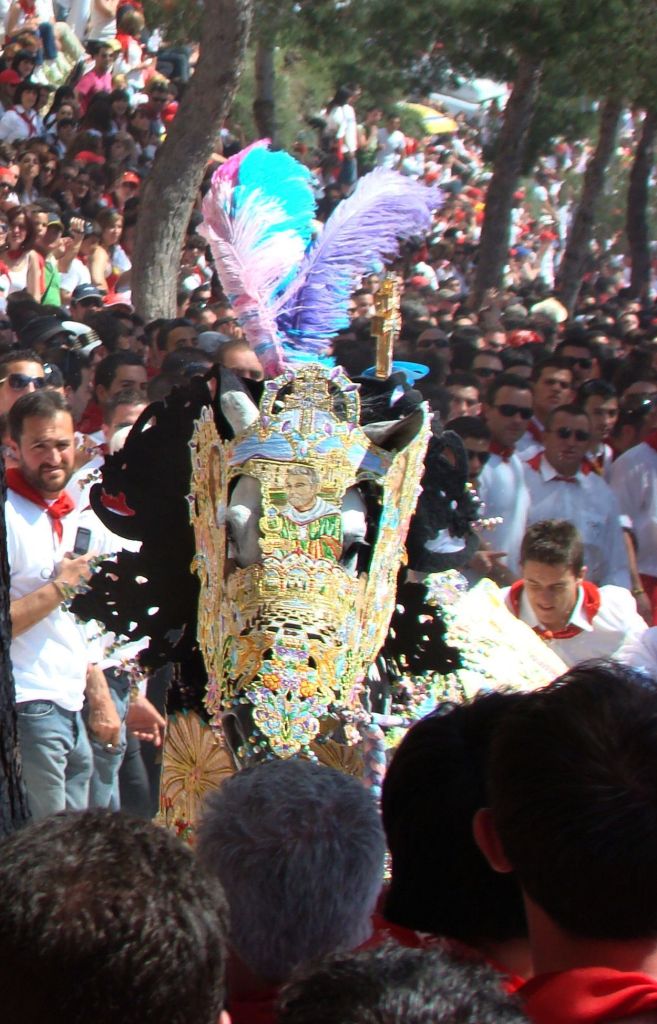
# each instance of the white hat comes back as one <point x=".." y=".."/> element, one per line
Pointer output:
<point x="550" y="308"/>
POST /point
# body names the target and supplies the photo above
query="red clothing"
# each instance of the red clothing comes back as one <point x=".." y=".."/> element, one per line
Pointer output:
<point x="256" y="1009"/>
<point x="386" y="931"/>
<point x="589" y="995"/>
<point x="92" y="418"/>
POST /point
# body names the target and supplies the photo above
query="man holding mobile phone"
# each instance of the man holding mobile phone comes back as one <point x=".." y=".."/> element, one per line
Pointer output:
<point x="52" y="669"/>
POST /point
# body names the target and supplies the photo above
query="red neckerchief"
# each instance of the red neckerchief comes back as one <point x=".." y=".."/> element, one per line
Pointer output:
<point x="535" y="430"/>
<point x="590" y="607"/>
<point x="27" y="7"/>
<point x="124" y="40"/>
<point x="651" y="440"/>
<point x="535" y="463"/>
<point x="503" y="451"/>
<point x="56" y="510"/>
<point x="588" y="995"/>
<point x="31" y="127"/>
<point x="595" y="463"/>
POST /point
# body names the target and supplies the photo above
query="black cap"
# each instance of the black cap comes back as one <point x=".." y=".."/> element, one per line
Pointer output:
<point x="41" y="330"/>
<point x="86" y="291"/>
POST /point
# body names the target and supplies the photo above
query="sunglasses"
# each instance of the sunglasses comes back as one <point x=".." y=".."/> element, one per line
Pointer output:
<point x="565" y="433"/>
<point x="483" y="457"/>
<point x="227" y="320"/>
<point x="20" y="381"/>
<point x="484" y="371"/>
<point x="584" y="364"/>
<point x="65" y="123"/>
<point x="88" y="303"/>
<point x="514" y="410"/>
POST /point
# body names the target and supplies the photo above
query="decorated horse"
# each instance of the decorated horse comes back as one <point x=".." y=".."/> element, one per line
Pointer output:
<point x="287" y="526"/>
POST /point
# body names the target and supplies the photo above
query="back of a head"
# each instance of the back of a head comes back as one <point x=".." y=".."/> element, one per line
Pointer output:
<point x="396" y="985"/>
<point x="574" y="801"/>
<point x="104" y="918"/>
<point x="436" y="782"/>
<point x="299" y="850"/>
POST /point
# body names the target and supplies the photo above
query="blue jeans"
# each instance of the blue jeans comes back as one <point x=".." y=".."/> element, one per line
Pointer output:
<point x="56" y="757"/>
<point x="104" y="786"/>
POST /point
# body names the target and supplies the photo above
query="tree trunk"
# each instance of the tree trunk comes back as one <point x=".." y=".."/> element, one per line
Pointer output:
<point x="264" y="108"/>
<point x="636" y="224"/>
<point x="14" y="810"/>
<point x="573" y="263"/>
<point x="494" y="242"/>
<point x="172" y="185"/>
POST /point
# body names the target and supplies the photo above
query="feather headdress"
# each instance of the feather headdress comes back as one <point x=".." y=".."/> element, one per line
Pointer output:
<point x="289" y="292"/>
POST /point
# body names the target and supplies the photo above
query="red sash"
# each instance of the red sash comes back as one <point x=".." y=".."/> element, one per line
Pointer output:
<point x="589" y="995"/>
<point x="56" y="510"/>
<point x="30" y="124"/>
<point x="590" y="606"/>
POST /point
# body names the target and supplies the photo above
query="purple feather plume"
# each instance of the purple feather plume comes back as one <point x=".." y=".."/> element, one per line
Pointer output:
<point x="363" y="231"/>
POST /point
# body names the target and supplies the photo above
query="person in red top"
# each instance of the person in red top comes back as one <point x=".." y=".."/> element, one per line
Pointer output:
<point x="98" y="79"/>
<point x="573" y="813"/>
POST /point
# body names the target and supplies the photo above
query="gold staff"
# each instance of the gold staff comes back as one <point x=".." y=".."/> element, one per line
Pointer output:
<point x="386" y="323"/>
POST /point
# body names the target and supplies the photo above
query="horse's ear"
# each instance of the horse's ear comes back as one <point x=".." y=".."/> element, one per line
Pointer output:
<point x="236" y="403"/>
<point x="396" y="435"/>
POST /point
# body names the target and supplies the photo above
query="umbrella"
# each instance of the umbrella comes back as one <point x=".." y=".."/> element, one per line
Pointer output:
<point x="434" y="122"/>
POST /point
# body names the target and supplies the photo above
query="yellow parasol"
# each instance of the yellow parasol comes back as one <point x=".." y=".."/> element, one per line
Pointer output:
<point x="435" y="123"/>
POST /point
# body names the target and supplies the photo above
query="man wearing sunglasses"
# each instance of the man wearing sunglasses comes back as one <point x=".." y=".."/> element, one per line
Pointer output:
<point x="21" y="372"/>
<point x="562" y="485"/>
<point x="507" y="411"/>
<point x="552" y="383"/>
<point x="583" y="357"/>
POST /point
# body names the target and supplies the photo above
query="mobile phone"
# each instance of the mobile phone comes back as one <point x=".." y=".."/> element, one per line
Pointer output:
<point x="82" y="541"/>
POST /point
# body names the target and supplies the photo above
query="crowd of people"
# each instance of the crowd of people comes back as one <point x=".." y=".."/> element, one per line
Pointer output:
<point x="521" y="827"/>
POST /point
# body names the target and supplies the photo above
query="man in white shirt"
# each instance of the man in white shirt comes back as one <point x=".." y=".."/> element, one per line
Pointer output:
<point x="634" y="482"/>
<point x="392" y="143"/>
<point x="52" y="670"/>
<point x="502" y="488"/>
<point x="562" y="485"/>
<point x="575" y="618"/>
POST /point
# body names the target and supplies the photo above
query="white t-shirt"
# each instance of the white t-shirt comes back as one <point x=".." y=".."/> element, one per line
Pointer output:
<point x="634" y="482"/>
<point x="391" y="148"/>
<point x="50" y="659"/>
<point x="101" y="26"/>
<point x="616" y="624"/>
<point x="76" y="274"/>
<point x="503" y="491"/>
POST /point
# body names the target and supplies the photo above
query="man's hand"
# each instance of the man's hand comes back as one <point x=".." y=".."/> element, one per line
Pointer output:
<point x="485" y="562"/>
<point x="145" y="722"/>
<point x="104" y="722"/>
<point x="644" y="606"/>
<point x="74" y="569"/>
<point x="102" y="718"/>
